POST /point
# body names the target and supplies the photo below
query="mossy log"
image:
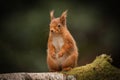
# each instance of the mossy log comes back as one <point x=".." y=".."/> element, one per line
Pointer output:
<point x="99" y="69"/>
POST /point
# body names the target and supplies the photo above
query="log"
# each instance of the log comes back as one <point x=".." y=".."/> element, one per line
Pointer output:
<point x="99" y="69"/>
<point x="36" y="76"/>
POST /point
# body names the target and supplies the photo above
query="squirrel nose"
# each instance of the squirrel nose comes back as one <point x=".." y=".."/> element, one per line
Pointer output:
<point x="51" y="30"/>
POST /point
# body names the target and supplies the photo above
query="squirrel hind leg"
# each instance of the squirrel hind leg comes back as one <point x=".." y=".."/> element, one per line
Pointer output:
<point x="55" y="69"/>
<point x="69" y="63"/>
<point x="67" y="69"/>
<point x="53" y="65"/>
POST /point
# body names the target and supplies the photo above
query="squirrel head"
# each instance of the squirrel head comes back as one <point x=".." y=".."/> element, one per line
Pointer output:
<point x="58" y="25"/>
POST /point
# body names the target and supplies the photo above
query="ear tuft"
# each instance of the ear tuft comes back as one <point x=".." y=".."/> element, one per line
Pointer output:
<point x="64" y="14"/>
<point x="63" y="17"/>
<point x="52" y="14"/>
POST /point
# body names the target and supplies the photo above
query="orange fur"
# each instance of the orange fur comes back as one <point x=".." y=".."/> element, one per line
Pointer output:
<point x="62" y="53"/>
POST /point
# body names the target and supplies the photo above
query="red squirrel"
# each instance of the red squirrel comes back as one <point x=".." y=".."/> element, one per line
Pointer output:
<point x="62" y="52"/>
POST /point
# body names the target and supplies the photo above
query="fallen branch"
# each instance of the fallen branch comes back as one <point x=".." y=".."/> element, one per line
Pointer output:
<point x="32" y="76"/>
<point x="99" y="69"/>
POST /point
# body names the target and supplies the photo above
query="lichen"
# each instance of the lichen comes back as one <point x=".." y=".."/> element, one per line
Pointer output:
<point x="99" y="69"/>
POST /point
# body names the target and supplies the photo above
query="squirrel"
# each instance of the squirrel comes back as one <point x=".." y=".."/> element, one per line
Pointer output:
<point x="62" y="52"/>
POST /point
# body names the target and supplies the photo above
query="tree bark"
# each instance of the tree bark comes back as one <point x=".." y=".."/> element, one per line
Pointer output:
<point x="36" y="76"/>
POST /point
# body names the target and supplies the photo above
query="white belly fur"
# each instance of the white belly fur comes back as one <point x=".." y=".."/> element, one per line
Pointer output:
<point x="58" y="42"/>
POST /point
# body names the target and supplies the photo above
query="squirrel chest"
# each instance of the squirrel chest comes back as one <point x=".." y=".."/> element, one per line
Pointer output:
<point x="58" y="42"/>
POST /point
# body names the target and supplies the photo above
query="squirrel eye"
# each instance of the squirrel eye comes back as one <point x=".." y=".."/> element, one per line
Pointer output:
<point x="59" y="25"/>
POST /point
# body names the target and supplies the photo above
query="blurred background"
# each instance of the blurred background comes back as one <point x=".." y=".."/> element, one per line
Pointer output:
<point x="24" y="29"/>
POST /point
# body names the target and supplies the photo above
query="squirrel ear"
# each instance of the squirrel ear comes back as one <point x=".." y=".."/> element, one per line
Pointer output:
<point x="52" y="14"/>
<point x="63" y="17"/>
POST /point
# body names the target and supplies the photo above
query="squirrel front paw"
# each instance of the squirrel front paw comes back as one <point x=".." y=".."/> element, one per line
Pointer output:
<point x="60" y="55"/>
<point x="53" y="55"/>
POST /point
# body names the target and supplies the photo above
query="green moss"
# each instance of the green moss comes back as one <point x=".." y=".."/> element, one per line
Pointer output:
<point x="99" y="69"/>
